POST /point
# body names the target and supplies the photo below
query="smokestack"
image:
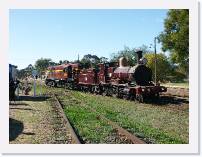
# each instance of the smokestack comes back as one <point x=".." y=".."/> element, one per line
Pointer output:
<point x="139" y="56"/>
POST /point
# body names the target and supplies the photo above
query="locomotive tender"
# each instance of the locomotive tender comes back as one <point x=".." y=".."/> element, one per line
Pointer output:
<point x="121" y="81"/>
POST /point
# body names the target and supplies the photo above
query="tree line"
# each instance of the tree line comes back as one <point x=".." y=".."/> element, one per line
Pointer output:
<point x="172" y="67"/>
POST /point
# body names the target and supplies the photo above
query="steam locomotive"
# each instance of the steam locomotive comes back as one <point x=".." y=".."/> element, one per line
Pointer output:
<point x="108" y="79"/>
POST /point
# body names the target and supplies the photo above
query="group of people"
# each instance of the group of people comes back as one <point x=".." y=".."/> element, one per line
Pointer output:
<point x="24" y="86"/>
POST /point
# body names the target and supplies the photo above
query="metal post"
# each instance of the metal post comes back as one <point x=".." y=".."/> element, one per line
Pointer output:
<point x="40" y="83"/>
<point x="155" y="58"/>
<point x="40" y="92"/>
<point x="18" y="92"/>
<point x="34" y="74"/>
<point x="34" y="87"/>
<point x="78" y="58"/>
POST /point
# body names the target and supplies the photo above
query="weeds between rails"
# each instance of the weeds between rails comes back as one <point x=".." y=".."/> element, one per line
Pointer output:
<point x="121" y="133"/>
<point x="92" y="109"/>
<point x="172" y="119"/>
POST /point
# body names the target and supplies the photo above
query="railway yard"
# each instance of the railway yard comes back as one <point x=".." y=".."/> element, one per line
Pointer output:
<point x="61" y="116"/>
<point x="109" y="85"/>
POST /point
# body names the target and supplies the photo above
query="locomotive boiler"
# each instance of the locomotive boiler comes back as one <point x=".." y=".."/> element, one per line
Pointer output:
<point x="140" y="74"/>
<point x="136" y="82"/>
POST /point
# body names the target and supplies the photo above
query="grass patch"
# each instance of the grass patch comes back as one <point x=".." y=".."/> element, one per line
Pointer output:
<point x="154" y="123"/>
<point x="87" y="125"/>
<point x="158" y="124"/>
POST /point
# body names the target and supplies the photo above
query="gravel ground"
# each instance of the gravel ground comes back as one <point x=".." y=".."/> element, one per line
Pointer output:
<point x="34" y="121"/>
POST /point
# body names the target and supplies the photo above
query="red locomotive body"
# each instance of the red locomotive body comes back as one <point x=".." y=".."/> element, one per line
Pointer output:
<point x="87" y="76"/>
<point x="109" y="79"/>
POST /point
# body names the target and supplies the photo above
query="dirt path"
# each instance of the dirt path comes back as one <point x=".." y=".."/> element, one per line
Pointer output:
<point x="33" y="120"/>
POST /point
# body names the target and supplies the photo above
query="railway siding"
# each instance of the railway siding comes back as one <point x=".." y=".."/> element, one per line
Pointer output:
<point x="91" y="116"/>
<point x="178" y="91"/>
<point x="130" y="138"/>
<point x="155" y="123"/>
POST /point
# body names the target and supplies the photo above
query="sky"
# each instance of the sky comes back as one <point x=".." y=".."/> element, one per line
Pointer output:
<point x="63" y="34"/>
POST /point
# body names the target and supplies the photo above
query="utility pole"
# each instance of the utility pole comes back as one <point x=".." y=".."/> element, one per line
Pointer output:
<point x="78" y="58"/>
<point x="155" y="58"/>
<point x="34" y="74"/>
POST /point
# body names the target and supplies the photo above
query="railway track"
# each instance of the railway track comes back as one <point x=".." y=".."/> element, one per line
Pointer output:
<point x="65" y="125"/>
<point x="177" y="91"/>
<point x="120" y="132"/>
<point x="121" y="135"/>
<point x="174" y="99"/>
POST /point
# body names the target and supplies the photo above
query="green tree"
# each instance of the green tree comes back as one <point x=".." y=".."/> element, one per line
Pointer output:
<point x="89" y="61"/>
<point x="43" y="63"/>
<point x="103" y="59"/>
<point x="63" y="62"/>
<point x="175" y="37"/>
<point x="26" y="72"/>
<point x="129" y="54"/>
<point x="163" y="70"/>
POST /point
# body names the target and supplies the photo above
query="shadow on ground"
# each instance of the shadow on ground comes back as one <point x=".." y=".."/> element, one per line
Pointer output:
<point x="18" y="104"/>
<point x="28" y="133"/>
<point x="15" y="128"/>
<point x="32" y="98"/>
<point x="166" y="100"/>
<point x="18" y="108"/>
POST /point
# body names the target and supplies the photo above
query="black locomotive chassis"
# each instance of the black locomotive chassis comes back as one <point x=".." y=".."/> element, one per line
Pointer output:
<point x="119" y="90"/>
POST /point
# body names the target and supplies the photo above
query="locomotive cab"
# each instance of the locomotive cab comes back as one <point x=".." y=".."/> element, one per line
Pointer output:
<point x="68" y="72"/>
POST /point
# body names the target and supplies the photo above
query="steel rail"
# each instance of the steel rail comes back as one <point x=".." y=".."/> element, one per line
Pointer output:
<point x="75" y="139"/>
<point x="131" y="137"/>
